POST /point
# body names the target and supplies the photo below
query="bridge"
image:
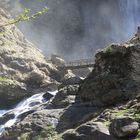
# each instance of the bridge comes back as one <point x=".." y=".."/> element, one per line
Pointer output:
<point x="78" y="64"/>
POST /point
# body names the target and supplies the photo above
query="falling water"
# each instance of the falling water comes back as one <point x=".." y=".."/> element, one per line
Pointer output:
<point x="131" y="11"/>
<point x="24" y="106"/>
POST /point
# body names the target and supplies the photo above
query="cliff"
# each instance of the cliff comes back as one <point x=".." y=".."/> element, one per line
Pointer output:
<point x="115" y="77"/>
<point x="22" y="66"/>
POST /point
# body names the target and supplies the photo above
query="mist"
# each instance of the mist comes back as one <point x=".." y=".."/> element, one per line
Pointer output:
<point x="75" y="29"/>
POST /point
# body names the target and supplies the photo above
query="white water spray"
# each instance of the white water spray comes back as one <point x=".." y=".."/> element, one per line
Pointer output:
<point x="23" y="107"/>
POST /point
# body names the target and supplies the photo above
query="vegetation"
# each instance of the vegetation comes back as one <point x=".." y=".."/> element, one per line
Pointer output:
<point x="130" y="112"/>
<point x="47" y="132"/>
<point x="107" y="50"/>
<point x="25" y="16"/>
<point x="3" y="79"/>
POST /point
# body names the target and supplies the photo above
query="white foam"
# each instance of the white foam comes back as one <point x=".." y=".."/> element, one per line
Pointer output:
<point x="23" y="107"/>
<point x="53" y="92"/>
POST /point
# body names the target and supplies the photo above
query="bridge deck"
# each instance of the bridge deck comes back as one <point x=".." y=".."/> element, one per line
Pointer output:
<point x="77" y="64"/>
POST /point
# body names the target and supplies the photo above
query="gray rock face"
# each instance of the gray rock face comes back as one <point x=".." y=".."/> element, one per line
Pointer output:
<point x="82" y="72"/>
<point x="11" y="92"/>
<point x="23" y="67"/>
<point x="33" y="123"/>
<point x="115" y="77"/>
<point x="75" y="115"/>
<point x="58" y="61"/>
<point x="70" y="79"/>
<point x="89" y="131"/>
<point x="35" y="78"/>
<point x="47" y="96"/>
<point x="65" y="96"/>
<point x="124" y="128"/>
<point x="6" y="117"/>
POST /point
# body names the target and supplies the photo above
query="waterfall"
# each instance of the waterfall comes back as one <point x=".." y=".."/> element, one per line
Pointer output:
<point x="131" y="11"/>
<point x="23" y="107"/>
<point x="74" y="27"/>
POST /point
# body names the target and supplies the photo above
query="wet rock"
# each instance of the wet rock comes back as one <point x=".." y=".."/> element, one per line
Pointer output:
<point x="23" y="115"/>
<point x="47" y="96"/>
<point x="34" y="122"/>
<point x="33" y="104"/>
<point x="6" y="117"/>
<point x="124" y="128"/>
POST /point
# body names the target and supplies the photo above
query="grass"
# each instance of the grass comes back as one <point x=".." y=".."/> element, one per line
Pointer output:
<point x="121" y="113"/>
<point x="132" y="113"/>
<point x="127" y="112"/>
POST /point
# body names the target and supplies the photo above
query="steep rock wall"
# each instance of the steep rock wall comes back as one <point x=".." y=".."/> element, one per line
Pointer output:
<point x="115" y="77"/>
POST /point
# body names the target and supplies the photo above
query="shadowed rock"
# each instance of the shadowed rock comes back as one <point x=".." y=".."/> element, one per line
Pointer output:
<point x="115" y="77"/>
<point x="124" y="128"/>
<point x="89" y="131"/>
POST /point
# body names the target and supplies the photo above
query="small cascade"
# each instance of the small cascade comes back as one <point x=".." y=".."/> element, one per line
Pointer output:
<point x="23" y="107"/>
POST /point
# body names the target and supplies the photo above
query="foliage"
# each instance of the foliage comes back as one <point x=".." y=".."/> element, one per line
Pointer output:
<point x="26" y="16"/>
<point x="48" y="132"/>
<point x="2" y="79"/>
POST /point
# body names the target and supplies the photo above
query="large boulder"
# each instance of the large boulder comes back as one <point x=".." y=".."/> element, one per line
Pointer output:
<point x="124" y="128"/>
<point x="65" y="96"/>
<point x="35" y="78"/>
<point x="70" y="79"/>
<point x="115" y="77"/>
<point x="58" y="61"/>
<point x="83" y="72"/>
<point x="89" y="131"/>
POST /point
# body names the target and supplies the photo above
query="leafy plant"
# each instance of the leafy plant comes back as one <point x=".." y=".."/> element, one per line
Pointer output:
<point x="25" y="16"/>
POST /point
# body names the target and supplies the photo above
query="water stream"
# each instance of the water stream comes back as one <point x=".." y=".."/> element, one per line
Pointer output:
<point x="22" y="107"/>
